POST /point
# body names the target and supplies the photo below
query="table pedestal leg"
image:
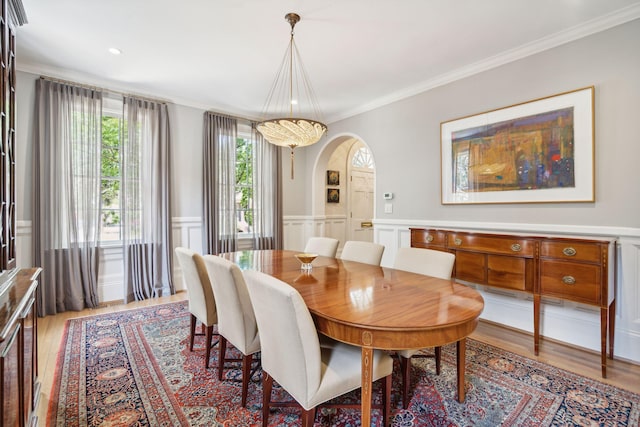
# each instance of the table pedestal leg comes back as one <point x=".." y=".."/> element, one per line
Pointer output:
<point x="367" y="374"/>
<point x="461" y="350"/>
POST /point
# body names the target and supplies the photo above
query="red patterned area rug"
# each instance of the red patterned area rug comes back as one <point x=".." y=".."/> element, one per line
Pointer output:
<point x="133" y="368"/>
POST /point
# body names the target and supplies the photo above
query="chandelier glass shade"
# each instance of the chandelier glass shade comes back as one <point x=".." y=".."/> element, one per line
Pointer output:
<point x="291" y="115"/>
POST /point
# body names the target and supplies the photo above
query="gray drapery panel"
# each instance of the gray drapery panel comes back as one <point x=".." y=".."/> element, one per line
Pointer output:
<point x="66" y="195"/>
<point x="267" y="172"/>
<point x="147" y="246"/>
<point x="218" y="198"/>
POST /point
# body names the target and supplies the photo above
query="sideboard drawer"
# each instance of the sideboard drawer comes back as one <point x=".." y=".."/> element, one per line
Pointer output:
<point x="510" y="272"/>
<point x="471" y="267"/>
<point x="570" y="250"/>
<point x="573" y="281"/>
<point x="426" y="238"/>
<point x="505" y="245"/>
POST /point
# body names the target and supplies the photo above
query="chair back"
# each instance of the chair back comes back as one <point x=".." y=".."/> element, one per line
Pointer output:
<point x="202" y="303"/>
<point x="323" y="246"/>
<point x="290" y="350"/>
<point x="425" y="261"/>
<point x="365" y="252"/>
<point x="236" y="319"/>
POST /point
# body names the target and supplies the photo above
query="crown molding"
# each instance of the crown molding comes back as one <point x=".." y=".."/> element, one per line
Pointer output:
<point x="594" y="26"/>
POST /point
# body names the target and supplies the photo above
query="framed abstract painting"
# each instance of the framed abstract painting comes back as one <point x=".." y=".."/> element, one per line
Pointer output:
<point x="541" y="151"/>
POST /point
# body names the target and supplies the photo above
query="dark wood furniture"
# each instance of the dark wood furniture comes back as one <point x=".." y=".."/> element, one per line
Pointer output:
<point x="12" y="15"/>
<point x="375" y="307"/>
<point x="574" y="269"/>
<point x="19" y="350"/>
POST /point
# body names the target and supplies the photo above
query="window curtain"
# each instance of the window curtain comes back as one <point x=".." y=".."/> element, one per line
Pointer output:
<point x="219" y="215"/>
<point x="267" y="172"/>
<point x="66" y="191"/>
<point x="147" y="246"/>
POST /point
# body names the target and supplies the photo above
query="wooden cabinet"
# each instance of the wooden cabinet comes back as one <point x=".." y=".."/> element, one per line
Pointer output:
<point x="18" y="322"/>
<point x="18" y="349"/>
<point x="10" y="376"/>
<point x="11" y="17"/>
<point x="565" y="268"/>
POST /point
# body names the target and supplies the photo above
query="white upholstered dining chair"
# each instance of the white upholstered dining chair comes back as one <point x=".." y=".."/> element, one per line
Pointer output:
<point x="431" y="263"/>
<point x="202" y="304"/>
<point x="323" y="246"/>
<point x="365" y="252"/>
<point x="236" y="319"/>
<point x="292" y="355"/>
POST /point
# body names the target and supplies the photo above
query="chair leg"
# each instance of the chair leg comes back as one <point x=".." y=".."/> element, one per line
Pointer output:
<point x="308" y="417"/>
<point x="386" y="400"/>
<point x="221" y="355"/>
<point x="267" y="385"/>
<point x="208" y="339"/>
<point x="438" y="351"/>
<point x="405" y="367"/>
<point x="192" y="332"/>
<point x="246" y="373"/>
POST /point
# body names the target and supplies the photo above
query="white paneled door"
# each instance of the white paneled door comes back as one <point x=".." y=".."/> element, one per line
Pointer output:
<point x="361" y="205"/>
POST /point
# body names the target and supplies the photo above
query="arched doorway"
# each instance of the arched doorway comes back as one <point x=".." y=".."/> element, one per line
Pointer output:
<point x="340" y="220"/>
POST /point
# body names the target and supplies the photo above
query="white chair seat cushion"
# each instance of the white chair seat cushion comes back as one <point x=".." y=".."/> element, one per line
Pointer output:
<point x="341" y="371"/>
<point x="408" y="353"/>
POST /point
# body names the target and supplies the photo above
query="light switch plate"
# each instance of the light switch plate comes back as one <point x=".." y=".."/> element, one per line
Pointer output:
<point x="388" y="208"/>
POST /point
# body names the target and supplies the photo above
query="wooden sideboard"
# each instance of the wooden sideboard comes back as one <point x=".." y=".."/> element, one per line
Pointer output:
<point x="19" y="392"/>
<point x="575" y="269"/>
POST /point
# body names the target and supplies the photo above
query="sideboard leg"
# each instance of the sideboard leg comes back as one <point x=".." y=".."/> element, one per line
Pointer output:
<point x="612" y="326"/>
<point x="536" y="323"/>
<point x="604" y="328"/>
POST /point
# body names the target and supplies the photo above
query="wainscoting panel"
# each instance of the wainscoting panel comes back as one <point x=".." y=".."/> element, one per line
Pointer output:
<point x="298" y="230"/>
<point x="627" y="338"/>
<point x="187" y="233"/>
<point x="23" y="244"/>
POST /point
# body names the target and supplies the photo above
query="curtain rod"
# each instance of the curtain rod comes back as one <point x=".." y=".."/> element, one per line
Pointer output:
<point x="102" y="89"/>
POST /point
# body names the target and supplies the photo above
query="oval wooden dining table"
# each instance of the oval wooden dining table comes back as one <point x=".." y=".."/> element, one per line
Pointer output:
<point x="375" y="307"/>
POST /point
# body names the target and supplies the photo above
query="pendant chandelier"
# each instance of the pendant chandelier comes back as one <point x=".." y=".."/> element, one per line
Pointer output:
<point x="291" y="115"/>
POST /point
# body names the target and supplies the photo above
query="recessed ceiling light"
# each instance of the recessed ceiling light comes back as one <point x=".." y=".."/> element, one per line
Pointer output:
<point x="115" y="50"/>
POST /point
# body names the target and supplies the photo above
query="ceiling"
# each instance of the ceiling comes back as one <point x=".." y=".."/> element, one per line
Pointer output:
<point x="223" y="55"/>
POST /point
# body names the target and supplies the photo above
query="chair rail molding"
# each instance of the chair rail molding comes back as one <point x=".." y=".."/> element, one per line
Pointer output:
<point x="564" y="321"/>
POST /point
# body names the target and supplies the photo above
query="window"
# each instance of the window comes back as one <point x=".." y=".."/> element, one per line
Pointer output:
<point x="244" y="185"/>
<point x="362" y="159"/>
<point x="111" y="175"/>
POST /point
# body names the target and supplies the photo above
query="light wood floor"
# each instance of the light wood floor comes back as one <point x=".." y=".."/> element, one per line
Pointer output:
<point x="619" y="373"/>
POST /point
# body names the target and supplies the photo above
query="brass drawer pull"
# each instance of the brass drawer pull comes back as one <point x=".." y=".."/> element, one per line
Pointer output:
<point x="516" y="247"/>
<point x="457" y="241"/>
<point x="429" y="238"/>
<point x="569" y="280"/>
<point x="569" y="251"/>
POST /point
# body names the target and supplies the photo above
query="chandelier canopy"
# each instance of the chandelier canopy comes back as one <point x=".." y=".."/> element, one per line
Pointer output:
<point x="291" y="115"/>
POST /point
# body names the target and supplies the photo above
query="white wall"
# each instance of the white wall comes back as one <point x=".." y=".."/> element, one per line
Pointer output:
<point x="405" y="136"/>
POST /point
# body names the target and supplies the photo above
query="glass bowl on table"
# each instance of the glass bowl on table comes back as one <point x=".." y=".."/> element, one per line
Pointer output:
<point x="306" y="259"/>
